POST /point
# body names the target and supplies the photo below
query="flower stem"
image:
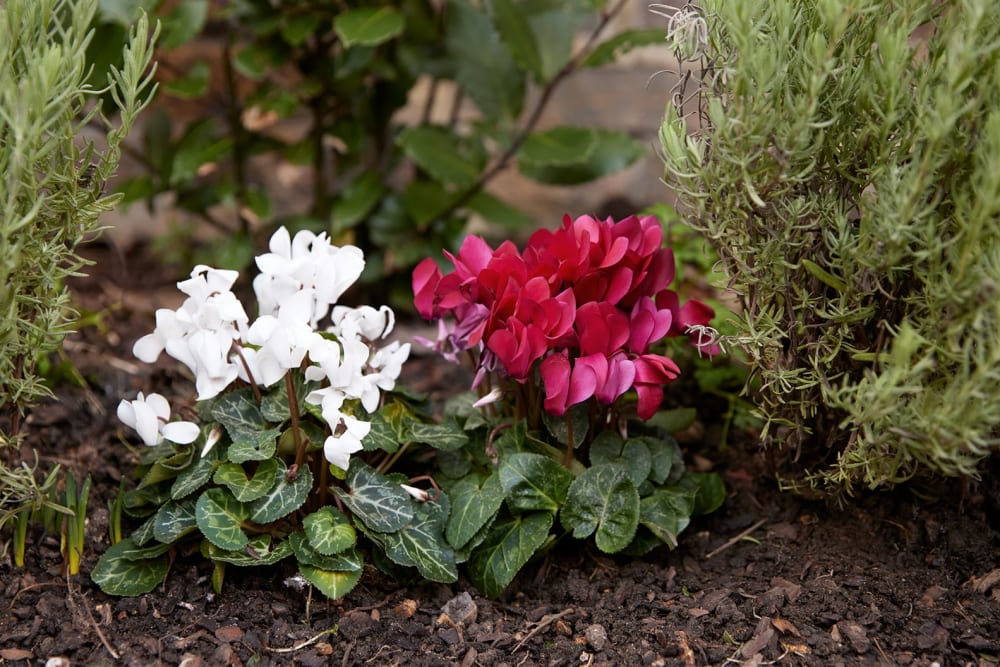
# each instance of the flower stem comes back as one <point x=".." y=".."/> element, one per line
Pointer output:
<point x="568" y="460"/>
<point x="246" y="367"/>
<point x="293" y="409"/>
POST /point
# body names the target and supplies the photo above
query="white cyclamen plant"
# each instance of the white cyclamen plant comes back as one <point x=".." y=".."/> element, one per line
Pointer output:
<point x="299" y="284"/>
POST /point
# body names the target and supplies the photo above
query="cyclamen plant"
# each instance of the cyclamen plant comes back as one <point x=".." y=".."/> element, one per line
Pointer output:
<point x="561" y="337"/>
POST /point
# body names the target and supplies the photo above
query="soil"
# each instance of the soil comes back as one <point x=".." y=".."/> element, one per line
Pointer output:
<point x="910" y="577"/>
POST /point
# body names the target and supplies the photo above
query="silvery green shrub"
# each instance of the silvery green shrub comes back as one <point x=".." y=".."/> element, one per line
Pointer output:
<point x="843" y="157"/>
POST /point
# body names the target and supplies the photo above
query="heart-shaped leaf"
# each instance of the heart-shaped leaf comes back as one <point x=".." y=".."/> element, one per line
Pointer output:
<point x="421" y="543"/>
<point x="117" y="575"/>
<point x="284" y="497"/>
<point x="666" y="513"/>
<point x="474" y="501"/>
<point x="447" y="435"/>
<point x="602" y="501"/>
<point x="534" y="482"/>
<point x="509" y="545"/>
<point x="174" y="520"/>
<point x="346" y="561"/>
<point x="233" y="476"/>
<point x="382" y="505"/>
<point x="193" y="477"/>
<point x="220" y="517"/>
<point x="329" y="531"/>
<point x="633" y="454"/>
<point x="253" y="445"/>
<point x="334" y="585"/>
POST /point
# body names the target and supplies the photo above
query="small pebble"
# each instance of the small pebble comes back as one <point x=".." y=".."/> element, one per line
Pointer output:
<point x="596" y="636"/>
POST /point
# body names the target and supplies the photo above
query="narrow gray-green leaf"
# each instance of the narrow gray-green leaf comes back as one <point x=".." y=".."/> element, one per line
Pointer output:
<point x="602" y="501"/>
<point x="174" y="520"/>
<point x="510" y="544"/>
<point x="117" y="575"/>
<point x="329" y="531"/>
<point x="368" y="26"/>
<point x="234" y="477"/>
<point x="333" y="585"/>
<point x="474" y="501"/>
<point x="220" y="517"/>
<point x="534" y="482"/>
<point x="382" y="505"/>
<point x="284" y="497"/>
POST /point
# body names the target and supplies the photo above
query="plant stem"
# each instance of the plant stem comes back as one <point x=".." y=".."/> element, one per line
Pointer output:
<point x="293" y="409"/>
<point x="568" y="460"/>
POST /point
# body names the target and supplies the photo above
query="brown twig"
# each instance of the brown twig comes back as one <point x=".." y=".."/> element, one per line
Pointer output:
<point x="545" y="622"/>
<point x="736" y="538"/>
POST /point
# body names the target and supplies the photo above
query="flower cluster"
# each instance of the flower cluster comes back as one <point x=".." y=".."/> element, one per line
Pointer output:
<point x="583" y="304"/>
<point x="299" y="283"/>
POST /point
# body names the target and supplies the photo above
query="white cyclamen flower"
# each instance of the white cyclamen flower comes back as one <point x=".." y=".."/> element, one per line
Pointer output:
<point x="346" y="440"/>
<point x="418" y="494"/>
<point x="150" y="415"/>
<point x="309" y="262"/>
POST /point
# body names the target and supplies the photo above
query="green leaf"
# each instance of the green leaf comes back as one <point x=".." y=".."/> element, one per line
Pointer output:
<point x="262" y="552"/>
<point x="667" y="459"/>
<point x="174" y="520"/>
<point x="604" y="502"/>
<point x="329" y="531"/>
<point x="382" y="505"/>
<point x="515" y="30"/>
<point x="498" y="212"/>
<point x="334" y="585"/>
<point x="141" y="553"/>
<point x="192" y="85"/>
<point x="558" y="146"/>
<point x="368" y="26"/>
<point x="233" y="477"/>
<point x="296" y="28"/>
<point x="709" y="489"/>
<point x="554" y="25"/>
<point x="167" y="468"/>
<point x="674" y="420"/>
<point x="559" y="427"/>
<point x="534" y="482"/>
<point x="447" y="435"/>
<point x="509" y="545"/>
<point x="424" y="201"/>
<point x="475" y="500"/>
<point x="611" y="49"/>
<point x="666" y="513"/>
<point x="117" y="575"/>
<point x="633" y="454"/>
<point x="238" y="412"/>
<point x="484" y="67"/>
<point x="284" y="497"/>
<point x="421" y="543"/>
<point x="613" y="152"/>
<point x="253" y="445"/>
<point x="252" y="61"/>
<point x="182" y="24"/>
<point x="199" y="146"/>
<point x="124" y="12"/>
<point x="356" y="201"/>
<point x="144" y="533"/>
<point x="347" y="561"/>
<point x="382" y="435"/>
<point x="437" y="151"/>
<point x="194" y="477"/>
<point x="220" y="517"/>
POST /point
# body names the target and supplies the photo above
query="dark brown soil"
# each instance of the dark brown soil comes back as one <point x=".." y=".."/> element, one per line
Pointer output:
<point x="902" y="578"/>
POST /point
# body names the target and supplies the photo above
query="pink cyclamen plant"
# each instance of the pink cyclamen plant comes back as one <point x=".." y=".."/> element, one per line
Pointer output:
<point x="582" y="305"/>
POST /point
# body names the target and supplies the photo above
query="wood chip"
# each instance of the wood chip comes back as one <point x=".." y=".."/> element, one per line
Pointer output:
<point x="785" y="627"/>
<point x="16" y="654"/>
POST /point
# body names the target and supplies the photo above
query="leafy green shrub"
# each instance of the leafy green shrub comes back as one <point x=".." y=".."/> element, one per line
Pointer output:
<point x="846" y="170"/>
<point x="340" y="72"/>
<point x="51" y="189"/>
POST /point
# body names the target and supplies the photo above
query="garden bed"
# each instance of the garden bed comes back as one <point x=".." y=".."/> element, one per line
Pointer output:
<point x="909" y="577"/>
